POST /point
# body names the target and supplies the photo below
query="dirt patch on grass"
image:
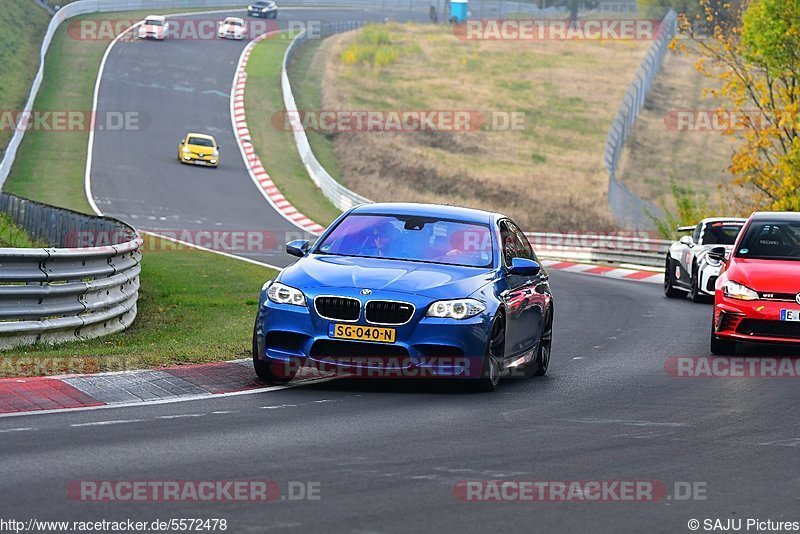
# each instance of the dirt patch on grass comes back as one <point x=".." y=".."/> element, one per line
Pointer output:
<point x="548" y="174"/>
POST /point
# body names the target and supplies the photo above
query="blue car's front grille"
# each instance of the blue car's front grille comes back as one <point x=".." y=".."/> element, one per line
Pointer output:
<point x="389" y="312"/>
<point x="338" y="308"/>
<point x="329" y="349"/>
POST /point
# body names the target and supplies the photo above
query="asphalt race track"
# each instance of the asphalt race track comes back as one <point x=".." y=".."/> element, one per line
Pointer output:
<point x="175" y="87"/>
<point x="387" y="454"/>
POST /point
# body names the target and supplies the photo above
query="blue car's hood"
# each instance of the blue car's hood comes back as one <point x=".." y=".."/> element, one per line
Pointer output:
<point x="435" y="281"/>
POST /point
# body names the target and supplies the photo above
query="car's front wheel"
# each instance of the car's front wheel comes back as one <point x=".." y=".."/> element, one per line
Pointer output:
<point x="270" y="371"/>
<point x="669" y="280"/>
<point x="722" y="347"/>
<point x="495" y="348"/>
<point x="695" y="295"/>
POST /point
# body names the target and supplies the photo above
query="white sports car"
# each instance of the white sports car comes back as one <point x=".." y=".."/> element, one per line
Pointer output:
<point x="153" y="27"/>
<point x="688" y="268"/>
<point x="232" y="28"/>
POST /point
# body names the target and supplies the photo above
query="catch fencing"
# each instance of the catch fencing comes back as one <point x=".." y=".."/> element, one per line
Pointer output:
<point x="630" y="210"/>
<point x="62" y="292"/>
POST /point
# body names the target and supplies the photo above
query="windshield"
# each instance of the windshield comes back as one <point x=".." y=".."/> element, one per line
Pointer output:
<point x="722" y="233"/>
<point x="412" y="239"/>
<point x="153" y="22"/>
<point x="199" y="141"/>
<point x="773" y="240"/>
<point x="235" y="22"/>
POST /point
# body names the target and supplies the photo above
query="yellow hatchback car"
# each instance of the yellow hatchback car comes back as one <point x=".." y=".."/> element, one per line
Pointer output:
<point x="199" y="149"/>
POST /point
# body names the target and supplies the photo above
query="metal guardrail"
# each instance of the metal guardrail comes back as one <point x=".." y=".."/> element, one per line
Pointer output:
<point x="65" y="292"/>
<point x="638" y="249"/>
<point x="339" y="195"/>
<point x="629" y="209"/>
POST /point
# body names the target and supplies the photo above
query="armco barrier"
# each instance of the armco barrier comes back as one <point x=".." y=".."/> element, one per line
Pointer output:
<point x="339" y="195"/>
<point x="634" y="250"/>
<point x="66" y="292"/>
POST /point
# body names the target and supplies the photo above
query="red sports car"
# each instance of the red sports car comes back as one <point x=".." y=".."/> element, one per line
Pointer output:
<point x="757" y="297"/>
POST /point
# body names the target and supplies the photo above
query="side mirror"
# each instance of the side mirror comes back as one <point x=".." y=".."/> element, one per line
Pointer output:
<point x="182" y="141"/>
<point x="524" y="267"/>
<point x="298" y="247"/>
<point x="687" y="240"/>
<point x="718" y="254"/>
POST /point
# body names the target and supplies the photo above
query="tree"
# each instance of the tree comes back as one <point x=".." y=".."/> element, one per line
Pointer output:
<point x="755" y="59"/>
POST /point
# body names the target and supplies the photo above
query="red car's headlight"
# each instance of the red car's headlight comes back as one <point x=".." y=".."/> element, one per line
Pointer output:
<point x="738" y="291"/>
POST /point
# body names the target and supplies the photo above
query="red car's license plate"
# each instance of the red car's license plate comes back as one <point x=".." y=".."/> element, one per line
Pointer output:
<point x="790" y="315"/>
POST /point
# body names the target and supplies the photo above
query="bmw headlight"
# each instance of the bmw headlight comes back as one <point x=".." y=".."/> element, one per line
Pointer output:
<point x="456" y="309"/>
<point x="283" y="294"/>
<point x="738" y="291"/>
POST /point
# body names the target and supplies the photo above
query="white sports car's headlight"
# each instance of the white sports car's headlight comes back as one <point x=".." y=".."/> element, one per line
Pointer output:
<point x="456" y="309"/>
<point x="283" y="294"/>
<point x="738" y="291"/>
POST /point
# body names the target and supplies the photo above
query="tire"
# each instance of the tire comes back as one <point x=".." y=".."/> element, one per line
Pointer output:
<point x="695" y="295"/>
<point x="490" y="372"/>
<point x="669" y="280"/>
<point x="722" y="347"/>
<point x="270" y="371"/>
<point x="539" y="366"/>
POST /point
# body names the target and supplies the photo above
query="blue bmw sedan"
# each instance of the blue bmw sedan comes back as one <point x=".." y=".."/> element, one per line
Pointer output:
<point x="409" y="290"/>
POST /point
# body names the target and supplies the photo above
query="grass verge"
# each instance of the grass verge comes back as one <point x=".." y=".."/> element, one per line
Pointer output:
<point x="19" y="57"/>
<point x="274" y="145"/>
<point x="193" y="306"/>
<point x="13" y="236"/>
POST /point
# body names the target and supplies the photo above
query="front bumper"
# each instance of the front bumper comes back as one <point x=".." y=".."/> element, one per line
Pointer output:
<point x="231" y="35"/>
<point x="424" y="347"/>
<point x="757" y="321"/>
<point x="151" y="35"/>
<point x="194" y="159"/>
<point x="258" y="13"/>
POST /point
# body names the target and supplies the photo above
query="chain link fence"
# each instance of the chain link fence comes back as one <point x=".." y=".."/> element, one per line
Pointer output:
<point x="629" y="209"/>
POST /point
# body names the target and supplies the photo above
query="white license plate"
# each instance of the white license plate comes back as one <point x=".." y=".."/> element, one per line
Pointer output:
<point x="790" y="315"/>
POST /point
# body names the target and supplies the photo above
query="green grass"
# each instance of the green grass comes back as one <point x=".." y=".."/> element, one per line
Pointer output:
<point x="19" y="55"/>
<point x="275" y="146"/>
<point x="193" y="306"/>
<point x="13" y="236"/>
<point x="306" y="78"/>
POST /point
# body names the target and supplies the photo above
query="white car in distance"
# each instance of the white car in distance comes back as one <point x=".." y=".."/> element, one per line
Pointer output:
<point x="153" y="27"/>
<point x="232" y="28"/>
